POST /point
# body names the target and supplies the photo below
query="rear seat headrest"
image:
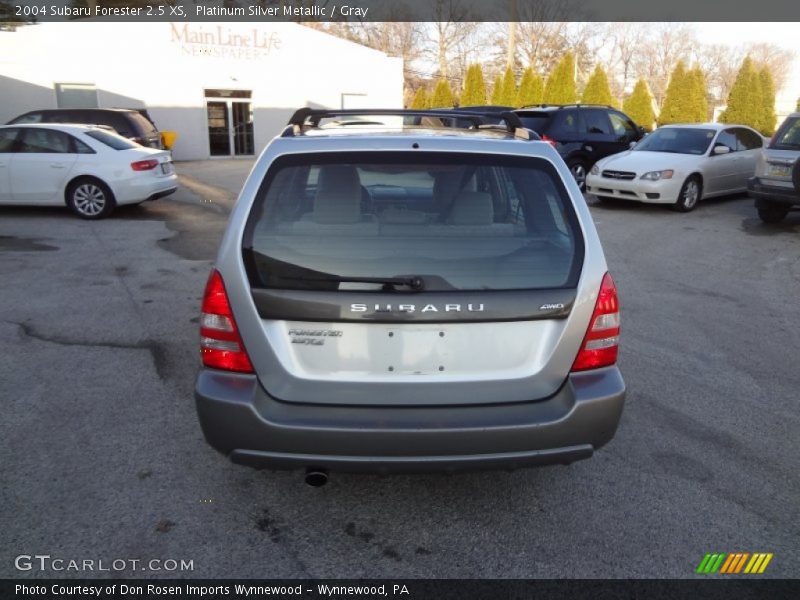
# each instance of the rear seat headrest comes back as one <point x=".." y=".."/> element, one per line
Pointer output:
<point x="338" y="197"/>
<point x="472" y="208"/>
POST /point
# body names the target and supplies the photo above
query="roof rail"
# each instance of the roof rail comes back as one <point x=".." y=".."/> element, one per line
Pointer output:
<point x="312" y="116"/>
<point x="571" y="105"/>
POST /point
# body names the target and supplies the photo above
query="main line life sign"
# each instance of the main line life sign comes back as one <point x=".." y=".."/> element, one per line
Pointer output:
<point x="224" y="42"/>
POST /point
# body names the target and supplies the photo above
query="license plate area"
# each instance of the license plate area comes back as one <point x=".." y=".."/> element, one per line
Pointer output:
<point x="167" y="168"/>
<point x="415" y="350"/>
<point x="779" y="170"/>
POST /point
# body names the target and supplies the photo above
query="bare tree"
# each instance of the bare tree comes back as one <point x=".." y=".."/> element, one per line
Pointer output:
<point x="777" y="59"/>
<point x="450" y="32"/>
<point x="626" y="41"/>
<point x="668" y="44"/>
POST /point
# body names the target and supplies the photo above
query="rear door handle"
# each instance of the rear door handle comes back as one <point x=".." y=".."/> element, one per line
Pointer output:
<point x="57" y="165"/>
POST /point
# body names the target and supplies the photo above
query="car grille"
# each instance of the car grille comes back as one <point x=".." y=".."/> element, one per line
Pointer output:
<point x="619" y="175"/>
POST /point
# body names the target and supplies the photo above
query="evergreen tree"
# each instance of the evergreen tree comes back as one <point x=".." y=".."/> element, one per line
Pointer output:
<point x="743" y="100"/>
<point x="474" y="92"/>
<point x="597" y="90"/>
<point x="442" y="95"/>
<point x="768" y="118"/>
<point x="508" y="94"/>
<point x="696" y="97"/>
<point x="675" y="101"/>
<point x="531" y="89"/>
<point x="421" y="99"/>
<point x="639" y="106"/>
<point x="497" y="91"/>
<point x="560" y="86"/>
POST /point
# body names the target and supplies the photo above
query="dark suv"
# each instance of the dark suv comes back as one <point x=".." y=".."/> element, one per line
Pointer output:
<point x="132" y="124"/>
<point x="582" y="133"/>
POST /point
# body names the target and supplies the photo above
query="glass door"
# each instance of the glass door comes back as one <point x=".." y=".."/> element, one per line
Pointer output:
<point x="218" y="129"/>
<point x="230" y="122"/>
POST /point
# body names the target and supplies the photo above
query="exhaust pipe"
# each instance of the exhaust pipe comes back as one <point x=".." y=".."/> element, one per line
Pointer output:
<point x="316" y="477"/>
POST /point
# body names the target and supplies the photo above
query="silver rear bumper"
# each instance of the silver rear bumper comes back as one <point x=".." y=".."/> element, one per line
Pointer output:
<point x="243" y="422"/>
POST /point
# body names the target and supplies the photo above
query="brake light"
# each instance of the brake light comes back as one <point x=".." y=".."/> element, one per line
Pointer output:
<point x="221" y="345"/>
<point x="549" y="140"/>
<point x="144" y="165"/>
<point x="601" y="343"/>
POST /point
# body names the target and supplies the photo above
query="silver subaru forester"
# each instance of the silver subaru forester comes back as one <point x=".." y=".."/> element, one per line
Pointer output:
<point x="394" y="294"/>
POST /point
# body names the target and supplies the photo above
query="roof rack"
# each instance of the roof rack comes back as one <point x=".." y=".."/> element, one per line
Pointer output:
<point x="572" y="105"/>
<point x="312" y="116"/>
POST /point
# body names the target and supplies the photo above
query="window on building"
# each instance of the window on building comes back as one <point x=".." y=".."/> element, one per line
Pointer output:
<point x="76" y="95"/>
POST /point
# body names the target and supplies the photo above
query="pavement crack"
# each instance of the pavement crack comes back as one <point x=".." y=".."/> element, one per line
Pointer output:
<point x="158" y="350"/>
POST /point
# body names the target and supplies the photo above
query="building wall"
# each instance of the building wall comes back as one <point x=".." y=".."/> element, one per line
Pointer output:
<point x="166" y="67"/>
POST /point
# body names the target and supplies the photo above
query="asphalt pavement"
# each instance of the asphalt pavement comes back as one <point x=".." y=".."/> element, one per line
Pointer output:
<point x="103" y="458"/>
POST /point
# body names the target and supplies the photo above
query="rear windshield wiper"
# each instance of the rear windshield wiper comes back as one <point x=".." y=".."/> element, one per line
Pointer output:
<point x="416" y="284"/>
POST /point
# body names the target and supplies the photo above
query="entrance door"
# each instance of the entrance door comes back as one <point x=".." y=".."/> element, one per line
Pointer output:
<point x="230" y="123"/>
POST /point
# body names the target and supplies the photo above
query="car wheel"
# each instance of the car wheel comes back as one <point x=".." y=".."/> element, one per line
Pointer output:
<point x="690" y="193"/>
<point x="578" y="169"/>
<point x="90" y="199"/>
<point x="772" y="213"/>
<point x="796" y="177"/>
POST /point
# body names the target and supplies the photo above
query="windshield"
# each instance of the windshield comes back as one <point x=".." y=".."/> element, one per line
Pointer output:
<point x="788" y="136"/>
<point x="678" y="140"/>
<point x="412" y="222"/>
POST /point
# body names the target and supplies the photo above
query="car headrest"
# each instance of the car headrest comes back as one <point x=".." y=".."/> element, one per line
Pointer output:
<point x="472" y="208"/>
<point x="338" y="197"/>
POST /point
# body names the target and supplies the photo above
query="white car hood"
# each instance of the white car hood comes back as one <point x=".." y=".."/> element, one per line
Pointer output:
<point x="642" y="161"/>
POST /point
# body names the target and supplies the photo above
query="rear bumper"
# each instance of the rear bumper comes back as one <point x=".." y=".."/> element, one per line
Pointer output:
<point x="771" y="194"/>
<point x="243" y="422"/>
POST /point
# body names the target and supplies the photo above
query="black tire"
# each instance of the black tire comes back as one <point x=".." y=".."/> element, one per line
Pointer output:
<point x="796" y="177"/>
<point x="772" y="213"/>
<point x="579" y="170"/>
<point x="690" y="194"/>
<point x="90" y="198"/>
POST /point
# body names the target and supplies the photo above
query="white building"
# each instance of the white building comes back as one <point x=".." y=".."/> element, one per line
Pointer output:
<point x="225" y="88"/>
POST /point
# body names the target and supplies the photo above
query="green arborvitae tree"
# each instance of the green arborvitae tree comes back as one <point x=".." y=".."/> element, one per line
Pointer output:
<point x="560" y="87"/>
<point x="743" y="101"/>
<point x="768" y="120"/>
<point x="474" y="92"/>
<point x="508" y="94"/>
<point x="442" y="95"/>
<point x="597" y="90"/>
<point x="696" y="97"/>
<point x="675" y="101"/>
<point x="497" y="91"/>
<point x="421" y="99"/>
<point x="639" y="106"/>
<point x="531" y="89"/>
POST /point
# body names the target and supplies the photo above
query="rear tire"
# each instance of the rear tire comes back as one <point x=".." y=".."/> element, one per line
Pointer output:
<point x="90" y="198"/>
<point x="796" y="177"/>
<point x="772" y="213"/>
<point x="690" y="194"/>
<point x="579" y="169"/>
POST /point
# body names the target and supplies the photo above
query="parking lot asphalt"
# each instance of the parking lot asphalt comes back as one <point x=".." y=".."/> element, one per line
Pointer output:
<point x="103" y="458"/>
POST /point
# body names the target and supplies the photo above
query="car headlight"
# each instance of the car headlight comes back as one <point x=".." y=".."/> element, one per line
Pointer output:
<point x="595" y="170"/>
<point x="658" y="175"/>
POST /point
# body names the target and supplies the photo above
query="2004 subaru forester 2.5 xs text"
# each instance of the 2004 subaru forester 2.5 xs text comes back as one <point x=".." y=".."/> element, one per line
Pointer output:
<point x="391" y="298"/>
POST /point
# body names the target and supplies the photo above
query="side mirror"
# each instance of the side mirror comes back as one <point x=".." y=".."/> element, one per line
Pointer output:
<point x="632" y="144"/>
<point x="720" y="149"/>
<point x="642" y="131"/>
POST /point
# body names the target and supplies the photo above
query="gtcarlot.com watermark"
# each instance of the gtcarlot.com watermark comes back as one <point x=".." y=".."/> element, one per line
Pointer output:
<point x="45" y="562"/>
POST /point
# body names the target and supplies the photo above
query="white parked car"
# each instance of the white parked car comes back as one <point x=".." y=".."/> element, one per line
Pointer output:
<point x="89" y="169"/>
<point x="680" y="165"/>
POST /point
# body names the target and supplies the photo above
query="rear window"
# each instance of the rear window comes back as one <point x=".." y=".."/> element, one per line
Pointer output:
<point x="537" y="121"/>
<point x="455" y="221"/>
<point x="28" y="118"/>
<point x="111" y="140"/>
<point x="141" y="123"/>
<point x="788" y="136"/>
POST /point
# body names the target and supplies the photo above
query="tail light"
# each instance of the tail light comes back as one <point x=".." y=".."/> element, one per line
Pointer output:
<point x="601" y="343"/>
<point x="221" y="345"/>
<point x="549" y="140"/>
<point x="144" y="165"/>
